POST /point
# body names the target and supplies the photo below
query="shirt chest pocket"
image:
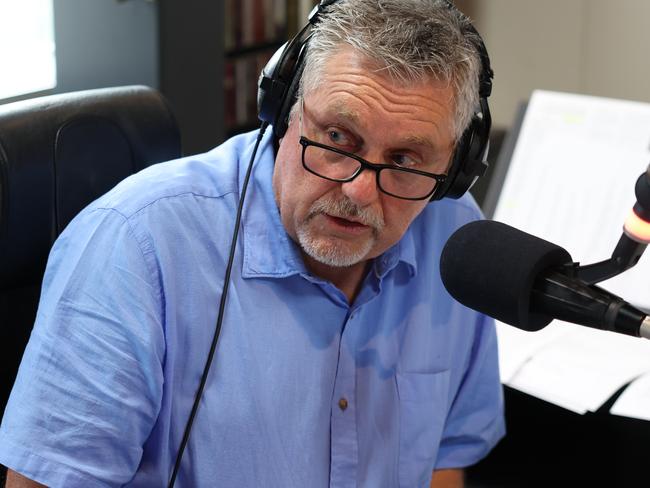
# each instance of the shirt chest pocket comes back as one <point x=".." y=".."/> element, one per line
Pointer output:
<point x="423" y="404"/>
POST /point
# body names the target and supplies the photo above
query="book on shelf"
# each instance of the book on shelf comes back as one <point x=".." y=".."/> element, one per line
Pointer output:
<point x="250" y="23"/>
<point x="253" y="30"/>
<point x="241" y="75"/>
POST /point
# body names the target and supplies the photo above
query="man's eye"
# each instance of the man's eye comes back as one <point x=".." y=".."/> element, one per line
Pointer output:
<point x="404" y="160"/>
<point x="337" y="137"/>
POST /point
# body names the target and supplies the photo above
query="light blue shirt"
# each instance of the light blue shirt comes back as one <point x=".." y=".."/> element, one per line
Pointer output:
<point x="128" y="311"/>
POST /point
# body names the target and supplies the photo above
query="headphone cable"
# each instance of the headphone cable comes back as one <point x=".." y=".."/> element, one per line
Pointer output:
<point x="222" y="307"/>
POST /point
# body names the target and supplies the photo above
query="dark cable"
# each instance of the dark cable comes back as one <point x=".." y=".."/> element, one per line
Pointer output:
<point x="222" y="307"/>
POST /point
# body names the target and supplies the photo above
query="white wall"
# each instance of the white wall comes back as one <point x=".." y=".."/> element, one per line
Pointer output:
<point x="595" y="47"/>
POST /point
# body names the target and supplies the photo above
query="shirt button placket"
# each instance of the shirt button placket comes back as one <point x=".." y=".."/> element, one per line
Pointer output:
<point x="344" y="448"/>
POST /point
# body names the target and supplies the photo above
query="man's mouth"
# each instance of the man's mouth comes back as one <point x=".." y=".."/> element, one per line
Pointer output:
<point x="344" y="221"/>
<point x="350" y="225"/>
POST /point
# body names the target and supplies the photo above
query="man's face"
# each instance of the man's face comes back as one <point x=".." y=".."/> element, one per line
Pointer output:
<point x="363" y="112"/>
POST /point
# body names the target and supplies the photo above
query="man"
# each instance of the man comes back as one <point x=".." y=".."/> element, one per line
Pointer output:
<point x="341" y="360"/>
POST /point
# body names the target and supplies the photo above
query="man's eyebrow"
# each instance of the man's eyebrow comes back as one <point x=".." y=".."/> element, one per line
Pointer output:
<point x="343" y="111"/>
<point x="420" y="141"/>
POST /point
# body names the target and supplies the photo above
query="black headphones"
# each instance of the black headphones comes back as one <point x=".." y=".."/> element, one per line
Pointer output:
<point x="280" y="78"/>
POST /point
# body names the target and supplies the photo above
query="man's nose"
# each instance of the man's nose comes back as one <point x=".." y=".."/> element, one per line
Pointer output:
<point x="363" y="189"/>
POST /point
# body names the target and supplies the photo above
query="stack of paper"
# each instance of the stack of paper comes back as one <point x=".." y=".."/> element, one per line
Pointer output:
<point x="571" y="181"/>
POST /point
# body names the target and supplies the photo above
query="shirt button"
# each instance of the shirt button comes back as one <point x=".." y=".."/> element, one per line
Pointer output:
<point x="343" y="404"/>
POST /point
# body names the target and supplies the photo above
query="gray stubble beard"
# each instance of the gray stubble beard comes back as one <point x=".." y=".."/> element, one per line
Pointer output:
<point x="326" y="251"/>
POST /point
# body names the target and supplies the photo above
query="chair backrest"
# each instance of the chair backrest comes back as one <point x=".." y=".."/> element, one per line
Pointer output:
<point x="58" y="154"/>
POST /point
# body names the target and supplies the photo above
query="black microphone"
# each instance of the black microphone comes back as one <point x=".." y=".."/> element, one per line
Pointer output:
<point x="526" y="282"/>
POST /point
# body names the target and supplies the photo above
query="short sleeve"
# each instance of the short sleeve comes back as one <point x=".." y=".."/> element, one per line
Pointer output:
<point x="475" y="422"/>
<point x="89" y="386"/>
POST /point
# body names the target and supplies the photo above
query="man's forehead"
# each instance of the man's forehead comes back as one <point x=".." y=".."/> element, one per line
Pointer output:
<point x="340" y="110"/>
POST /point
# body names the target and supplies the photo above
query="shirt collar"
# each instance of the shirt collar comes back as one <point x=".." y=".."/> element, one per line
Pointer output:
<point x="268" y="250"/>
<point x="402" y="252"/>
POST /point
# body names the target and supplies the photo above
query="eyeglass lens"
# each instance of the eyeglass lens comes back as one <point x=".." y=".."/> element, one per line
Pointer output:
<point x="336" y="166"/>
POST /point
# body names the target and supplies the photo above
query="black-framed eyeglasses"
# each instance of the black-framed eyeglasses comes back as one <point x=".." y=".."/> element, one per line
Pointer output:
<point x="337" y="165"/>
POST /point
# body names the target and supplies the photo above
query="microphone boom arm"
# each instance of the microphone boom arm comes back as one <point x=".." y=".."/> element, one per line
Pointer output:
<point x="630" y="247"/>
<point x="626" y="254"/>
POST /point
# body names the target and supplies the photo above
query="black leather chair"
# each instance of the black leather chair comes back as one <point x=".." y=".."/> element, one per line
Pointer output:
<point x="57" y="154"/>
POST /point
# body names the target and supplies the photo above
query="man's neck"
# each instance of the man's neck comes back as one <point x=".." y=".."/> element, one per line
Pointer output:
<point x="347" y="279"/>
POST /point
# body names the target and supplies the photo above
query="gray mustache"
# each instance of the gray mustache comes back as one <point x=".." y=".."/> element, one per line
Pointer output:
<point x="344" y="208"/>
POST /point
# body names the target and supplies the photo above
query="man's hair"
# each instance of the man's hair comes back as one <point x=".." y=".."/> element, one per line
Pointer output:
<point x="411" y="40"/>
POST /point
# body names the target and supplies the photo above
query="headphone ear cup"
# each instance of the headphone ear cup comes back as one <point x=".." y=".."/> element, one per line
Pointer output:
<point x="457" y="160"/>
<point x="281" y="123"/>
<point x="269" y="89"/>
<point x="279" y="82"/>
<point x="469" y="160"/>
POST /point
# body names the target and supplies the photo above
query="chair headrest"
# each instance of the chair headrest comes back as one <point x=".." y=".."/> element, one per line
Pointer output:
<point x="61" y="152"/>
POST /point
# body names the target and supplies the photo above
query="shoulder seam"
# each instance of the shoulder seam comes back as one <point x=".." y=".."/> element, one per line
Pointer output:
<point x="152" y="202"/>
<point x="143" y="253"/>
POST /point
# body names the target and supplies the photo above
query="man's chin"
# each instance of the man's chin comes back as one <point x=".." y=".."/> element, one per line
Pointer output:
<point x="335" y="254"/>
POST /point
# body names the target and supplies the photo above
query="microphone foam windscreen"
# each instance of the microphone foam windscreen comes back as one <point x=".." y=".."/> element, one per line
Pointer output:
<point x="491" y="267"/>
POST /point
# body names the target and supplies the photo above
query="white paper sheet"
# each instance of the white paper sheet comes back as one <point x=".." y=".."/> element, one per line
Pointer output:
<point x="635" y="400"/>
<point x="571" y="181"/>
<point x="516" y="347"/>
<point x="581" y="368"/>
